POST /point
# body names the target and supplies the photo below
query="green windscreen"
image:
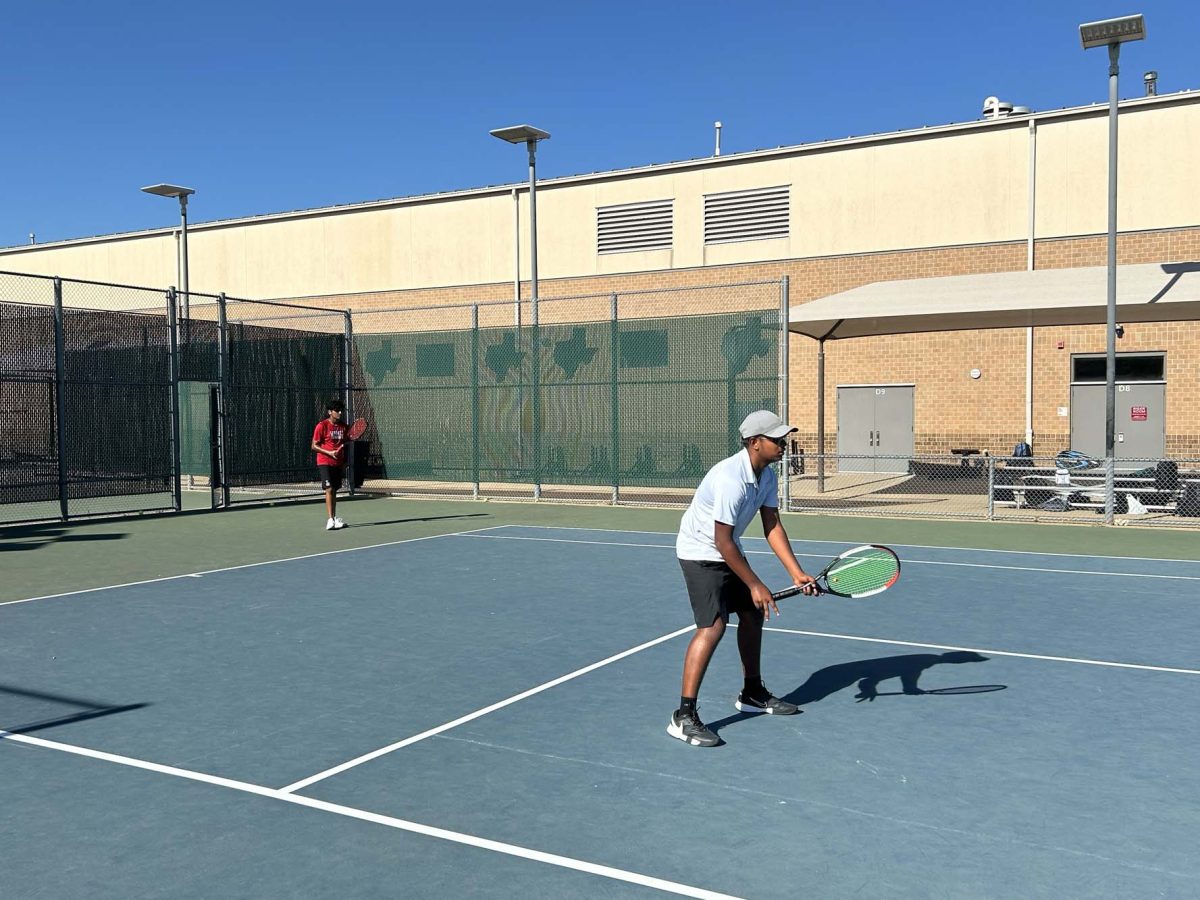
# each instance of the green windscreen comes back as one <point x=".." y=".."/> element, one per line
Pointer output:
<point x="651" y="402"/>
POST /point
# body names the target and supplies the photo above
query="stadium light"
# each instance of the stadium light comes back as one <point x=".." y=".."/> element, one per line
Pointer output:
<point x="1111" y="33"/>
<point x="181" y="194"/>
<point x="529" y="136"/>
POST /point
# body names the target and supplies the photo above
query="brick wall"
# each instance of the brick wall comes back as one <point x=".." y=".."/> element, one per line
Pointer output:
<point x="951" y="408"/>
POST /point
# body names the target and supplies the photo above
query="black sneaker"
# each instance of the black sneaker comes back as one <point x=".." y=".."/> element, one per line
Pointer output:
<point x="767" y="703"/>
<point x="689" y="729"/>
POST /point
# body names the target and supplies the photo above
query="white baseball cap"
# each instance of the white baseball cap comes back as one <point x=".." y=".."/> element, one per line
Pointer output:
<point x="766" y="423"/>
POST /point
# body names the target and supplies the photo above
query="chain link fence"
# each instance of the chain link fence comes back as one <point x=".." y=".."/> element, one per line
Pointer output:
<point x="1157" y="492"/>
<point x="626" y="397"/>
<point x="85" y="381"/>
<point x="116" y="402"/>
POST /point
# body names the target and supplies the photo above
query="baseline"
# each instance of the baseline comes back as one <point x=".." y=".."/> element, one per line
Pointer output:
<point x="469" y="840"/>
<point x="907" y="562"/>
<point x="1068" y="659"/>
<point x="671" y="535"/>
<point x="265" y="562"/>
<point x="469" y="717"/>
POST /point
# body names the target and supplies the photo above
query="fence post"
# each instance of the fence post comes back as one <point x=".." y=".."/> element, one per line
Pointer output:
<point x="537" y="408"/>
<point x="821" y="416"/>
<point x="176" y="466"/>
<point x="475" y="400"/>
<point x="1109" y="489"/>
<point x="615" y="425"/>
<point x="60" y="383"/>
<point x="784" y="365"/>
<point x="991" y="487"/>
<point x="347" y="393"/>
<point x="222" y="399"/>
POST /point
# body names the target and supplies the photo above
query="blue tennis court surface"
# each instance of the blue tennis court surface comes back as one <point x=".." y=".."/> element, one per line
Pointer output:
<point x="484" y="713"/>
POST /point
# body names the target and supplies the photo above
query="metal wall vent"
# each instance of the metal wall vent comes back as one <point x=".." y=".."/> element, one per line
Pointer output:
<point x="635" y="226"/>
<point x="746" y="215"/>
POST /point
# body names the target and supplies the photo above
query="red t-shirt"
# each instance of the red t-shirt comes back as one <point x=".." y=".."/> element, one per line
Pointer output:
<point x="329" y="436"/>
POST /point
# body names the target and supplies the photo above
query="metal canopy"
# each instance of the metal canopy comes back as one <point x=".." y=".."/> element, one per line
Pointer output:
<point x="1158" y="292"/>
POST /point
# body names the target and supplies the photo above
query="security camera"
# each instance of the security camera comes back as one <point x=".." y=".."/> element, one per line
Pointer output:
<point x="1120" y="330"/>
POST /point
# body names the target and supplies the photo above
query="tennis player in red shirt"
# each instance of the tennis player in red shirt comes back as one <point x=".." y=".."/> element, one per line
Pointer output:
<point x="329" y="443"/>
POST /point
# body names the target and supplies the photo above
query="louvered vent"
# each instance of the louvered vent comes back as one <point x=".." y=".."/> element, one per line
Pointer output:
<point x="634" y="226"/>
<point x="746" y="215"/>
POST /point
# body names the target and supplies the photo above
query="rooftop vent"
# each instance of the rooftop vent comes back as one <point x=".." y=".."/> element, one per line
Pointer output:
<point x="634" y="226"/>
<point x="995" y="108"/>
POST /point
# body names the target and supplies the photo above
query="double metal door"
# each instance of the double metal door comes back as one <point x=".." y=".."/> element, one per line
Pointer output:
<point x="875" y="428"/>
<point x="1140" y="422"/>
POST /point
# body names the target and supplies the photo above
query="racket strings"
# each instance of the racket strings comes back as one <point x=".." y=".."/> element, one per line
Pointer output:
<point x="868" y="571"/>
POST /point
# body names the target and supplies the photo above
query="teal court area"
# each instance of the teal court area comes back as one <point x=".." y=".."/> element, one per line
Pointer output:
<point x="469" y="699"/>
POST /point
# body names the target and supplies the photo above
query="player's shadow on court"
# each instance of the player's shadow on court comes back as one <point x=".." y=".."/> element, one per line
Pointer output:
<point x="865" y="674"/>
<point x="32" y="537"/>
<point x="23" y="711"/>
<point x="418" y="519"/>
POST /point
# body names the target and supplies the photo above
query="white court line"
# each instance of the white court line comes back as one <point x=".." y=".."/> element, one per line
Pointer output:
<point x="907" y="562"/>
<point x="375" y="754"/>
<point x="456" y="837"/>
<point x="265" y="562"/>
<point x="1068" y="659"/>
<point x="671" y="534"/>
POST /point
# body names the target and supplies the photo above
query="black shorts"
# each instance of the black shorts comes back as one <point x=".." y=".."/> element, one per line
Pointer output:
<point x="331" y="477"/>
<point x="715" y="592"/>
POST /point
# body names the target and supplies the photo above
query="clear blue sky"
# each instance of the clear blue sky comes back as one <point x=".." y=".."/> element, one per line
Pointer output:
<point x="265" y="105"/>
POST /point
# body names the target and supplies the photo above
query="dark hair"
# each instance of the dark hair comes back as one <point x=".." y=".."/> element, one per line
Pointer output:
<point x="334" y="404"/>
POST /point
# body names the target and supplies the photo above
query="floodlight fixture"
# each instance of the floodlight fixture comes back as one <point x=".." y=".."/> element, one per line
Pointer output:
<point x="1112" y="31"/>
<point x="170" y="190"/>
<point x="520" y="134"/>
<point x="181" y="194"/>
<point x="529" y="136"/>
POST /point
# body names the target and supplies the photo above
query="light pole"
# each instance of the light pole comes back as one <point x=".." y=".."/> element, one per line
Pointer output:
<point x="182" y="194"/>
<point x="529" y="136"/>
<point x="1111" y="33"/>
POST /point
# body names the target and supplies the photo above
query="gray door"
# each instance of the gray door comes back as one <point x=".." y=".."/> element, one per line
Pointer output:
<point x="893" y="428"/>
<point x="856" y="429"/>
<point x="1140" y="420"/>
<point x="875" y="424"/>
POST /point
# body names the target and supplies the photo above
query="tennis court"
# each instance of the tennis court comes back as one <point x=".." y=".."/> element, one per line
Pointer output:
<point x="471" y="699"/>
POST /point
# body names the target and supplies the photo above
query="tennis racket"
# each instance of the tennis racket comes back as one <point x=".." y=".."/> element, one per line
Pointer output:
<point x="357" y="430"/>
<point x="1074" y="460"/>
<point x="859" y="572"/>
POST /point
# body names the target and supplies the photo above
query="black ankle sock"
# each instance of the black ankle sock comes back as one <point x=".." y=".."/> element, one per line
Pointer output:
<point x="754" y="687"/>
<point x="687" y="704"/>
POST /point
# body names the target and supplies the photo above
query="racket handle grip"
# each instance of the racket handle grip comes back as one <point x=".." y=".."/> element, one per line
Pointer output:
<point x="787" y="592"/>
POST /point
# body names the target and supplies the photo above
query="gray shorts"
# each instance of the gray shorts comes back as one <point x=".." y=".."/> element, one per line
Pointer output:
<point x="715" y="592"/>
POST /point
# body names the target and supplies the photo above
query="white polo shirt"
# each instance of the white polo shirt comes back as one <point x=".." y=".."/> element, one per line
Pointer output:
<point x="730" y="494"/>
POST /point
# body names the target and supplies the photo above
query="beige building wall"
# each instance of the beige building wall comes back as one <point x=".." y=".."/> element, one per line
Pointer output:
<point x="956" y="185"/>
